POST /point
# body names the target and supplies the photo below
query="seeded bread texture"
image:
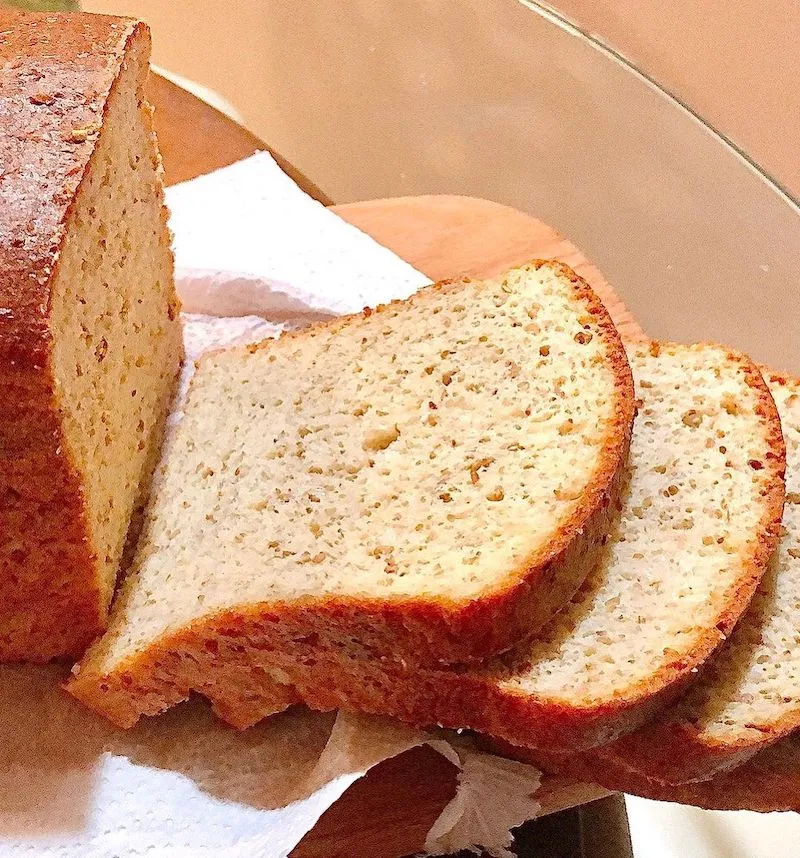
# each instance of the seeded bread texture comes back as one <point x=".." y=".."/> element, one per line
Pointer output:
<point x="748" y="695"/>
<point x="425" y="482"/>
<point x="90" y="342"/>
<point x="657" y="604"/>
<point x="695" y="532"/>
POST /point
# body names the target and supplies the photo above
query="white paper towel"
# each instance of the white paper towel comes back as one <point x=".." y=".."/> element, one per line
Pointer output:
<point x="255" y="256"/>
<point x="249" y="241"/>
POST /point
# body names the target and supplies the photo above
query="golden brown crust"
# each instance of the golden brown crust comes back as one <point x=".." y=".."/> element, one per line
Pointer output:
<point x="56" y="72"/>
<point x="674" y="752"/>
<point x="583" y="767"/>
<point x="768" y="782"/>
<point x="412" y="630"/>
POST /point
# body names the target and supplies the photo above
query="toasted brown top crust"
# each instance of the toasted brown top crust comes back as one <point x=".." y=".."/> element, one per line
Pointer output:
<point x="56" y="71"/>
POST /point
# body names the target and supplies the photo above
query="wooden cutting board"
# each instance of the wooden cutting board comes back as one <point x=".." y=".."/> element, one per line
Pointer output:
<point x="388" y="813"/>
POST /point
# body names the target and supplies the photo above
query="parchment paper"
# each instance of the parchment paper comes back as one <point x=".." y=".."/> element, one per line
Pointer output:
<point x="254" y="256"/>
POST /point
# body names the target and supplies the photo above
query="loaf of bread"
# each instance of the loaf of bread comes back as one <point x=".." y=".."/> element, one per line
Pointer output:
<point x="426" y="510"/>
<point x="767" y="782"/>
<point x="693" y="539"/>
<point x="90" y="340"/>
<point x="425" y="482"/>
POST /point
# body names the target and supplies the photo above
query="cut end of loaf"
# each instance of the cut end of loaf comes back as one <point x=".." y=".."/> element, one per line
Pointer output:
<point x="93" y="387"/>
<point x="114" y="320"/>
<point x="385" y="481"/>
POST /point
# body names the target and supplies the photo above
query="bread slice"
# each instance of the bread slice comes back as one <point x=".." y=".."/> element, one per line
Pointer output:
<point x="749" y="694"/>
<point x="90" y="340"/>
<point x="424" y="482"/>
<point x="767" y="782"/>
<point x="658" y="602"/>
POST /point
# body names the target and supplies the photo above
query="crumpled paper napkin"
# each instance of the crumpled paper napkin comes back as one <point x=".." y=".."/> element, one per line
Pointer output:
<point x="254" y="256"/>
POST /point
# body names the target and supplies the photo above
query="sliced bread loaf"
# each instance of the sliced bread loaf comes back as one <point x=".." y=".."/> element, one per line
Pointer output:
<point x="697" y="528"/>
<point x="90" y="340"/>
<point x="680" y="565"/>
<point x="749" y="694"/>
<point x="425" y="482"/>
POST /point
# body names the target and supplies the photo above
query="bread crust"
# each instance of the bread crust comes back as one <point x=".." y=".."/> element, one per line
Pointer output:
<point x="412" y="630"/>
<point x="768" y="782"/>
<point x="679" y="752"/>
<point x="57" y="72"/>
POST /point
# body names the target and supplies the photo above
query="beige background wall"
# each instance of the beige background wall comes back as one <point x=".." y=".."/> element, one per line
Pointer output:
<point x="488" y="98"/>
<point x="733" y="61"/>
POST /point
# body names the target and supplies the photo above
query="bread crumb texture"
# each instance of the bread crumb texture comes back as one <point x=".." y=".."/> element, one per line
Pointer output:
<point x="676" y="571"/>
<point x="116" y="342"/>
<point x="700" y="471"/>
<point x="425" y="453"/>
<point x="755" y="681"/>
<point x="749" y="693"/>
